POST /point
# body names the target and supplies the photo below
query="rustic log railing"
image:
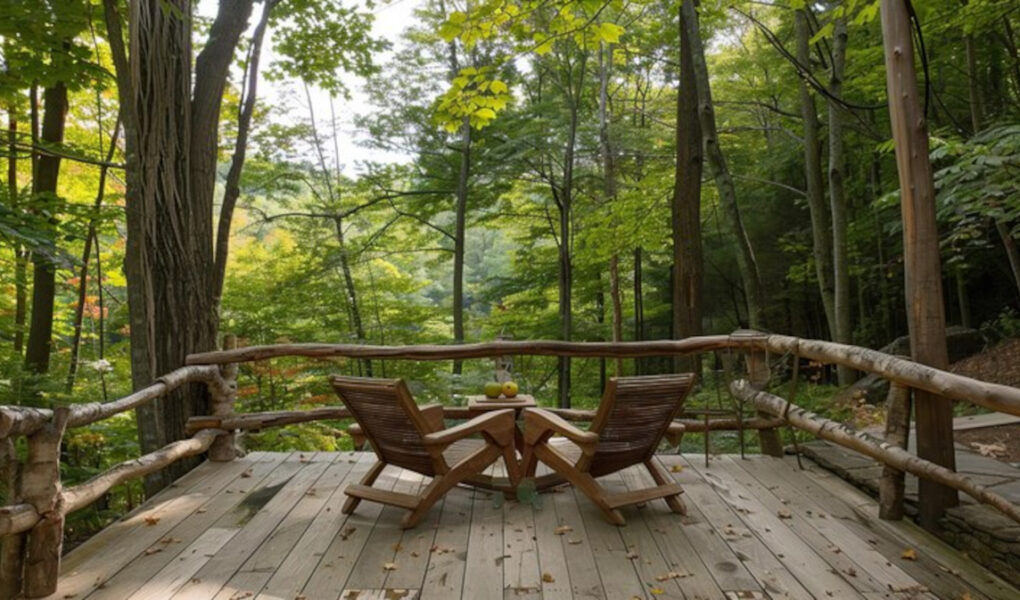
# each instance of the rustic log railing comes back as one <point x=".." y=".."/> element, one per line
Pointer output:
<point x="31" y="526"/>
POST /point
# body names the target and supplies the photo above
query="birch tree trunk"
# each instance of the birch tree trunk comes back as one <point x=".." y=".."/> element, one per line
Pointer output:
<point x="746" y="261"/>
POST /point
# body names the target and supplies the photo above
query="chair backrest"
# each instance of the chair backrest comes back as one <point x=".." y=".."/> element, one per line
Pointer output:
<point x="634" y="415"/>
<point x="390" y="420"/>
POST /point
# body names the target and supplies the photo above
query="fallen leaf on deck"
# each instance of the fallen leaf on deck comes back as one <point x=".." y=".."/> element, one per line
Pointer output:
<point x="993" y="450"/>
<point x="784" y="514"/>
<point x="151" y="551"/>
<point x="201" y="510"/>
<point x="548" y="578"/>
<point x="398" y="547"/>
<point x="677" y="468"/>
<point x="346" y="533"/>
<point x="909" y="554"/>
<point x="562" y="529"/>
<point x="151" y="520"/>
<point x="671" y="575"/>
<point x="246" y="474"/>
<point x="414" y="554"/>
<point x="389" y="566"/>
<point x="657" y="591"/>
<point x="575" y="542"/>
<point x="632" y="554"/>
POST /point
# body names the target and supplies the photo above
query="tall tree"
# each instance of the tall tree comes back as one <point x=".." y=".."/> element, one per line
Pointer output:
<point x="837" y="194"/>
<point x="688" y="261"/>
<point x="820" y="222"/>
<point x="44" y="266"/>
<point x="746" y="260"/>
<point x="922" y="268"/>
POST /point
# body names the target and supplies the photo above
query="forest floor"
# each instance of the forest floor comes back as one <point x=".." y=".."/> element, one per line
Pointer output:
<point x="999" y="364"/>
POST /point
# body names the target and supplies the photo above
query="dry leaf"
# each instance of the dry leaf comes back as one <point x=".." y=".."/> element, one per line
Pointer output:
<point x="575" y="542"/>
<point x="657" y="591"/>
<point x="548" y="578"/>
<point x="909" y="554"/>
<point x="783" y="514"/>
<point x="201" y="510"/>
<point x="153" y="550"/>
<point x="346" y="533"/>
<point x="151" y="520"/>
<point x="414" y="554"/>
<point x="677" y="468"/>
<point x="993" y="450"/>
<point x="246" y="474"/>
<point x="562" y="529"/>
<point x="671" y="575"/>
<point x="631" y="554"/>
<point x="389" y="566"/>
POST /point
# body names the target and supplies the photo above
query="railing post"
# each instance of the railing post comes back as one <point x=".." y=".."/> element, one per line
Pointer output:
<point x="40" y="487"/>
<point x="758" y="375"/>
<point x="897" y="433"/>
<point x="12" y="546"/>
<point x="223" y="397"/>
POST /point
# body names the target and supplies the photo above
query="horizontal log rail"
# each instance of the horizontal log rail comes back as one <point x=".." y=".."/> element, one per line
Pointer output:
<point x="884" y="452"/>
<point x="23" y="421"/>
<point x="996" y="397"/>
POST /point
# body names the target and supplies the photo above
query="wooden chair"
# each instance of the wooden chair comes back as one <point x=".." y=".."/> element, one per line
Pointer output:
<point x="413" y="438"/>
<point x="626" y="430"/>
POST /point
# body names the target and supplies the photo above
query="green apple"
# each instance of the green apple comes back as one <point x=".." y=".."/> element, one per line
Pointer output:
<point x="493" y="389"/>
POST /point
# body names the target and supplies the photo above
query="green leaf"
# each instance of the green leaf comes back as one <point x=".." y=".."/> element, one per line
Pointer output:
<point x="498" y="87"/>
<point x="823" y="33"/>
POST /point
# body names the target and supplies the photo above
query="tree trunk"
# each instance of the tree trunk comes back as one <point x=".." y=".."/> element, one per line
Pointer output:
<point x="1011" y="250"/>
<point x="977" y="104"/>
<point x="820" y="222"/>
<point x="352" y="291"/>
<point x="746" y="261"/>
<point x="837" y="197"/>
<point x="232" y="185"/>
<point x="463" y="174"/>
<point x="44" y="188"/>
<point x="171" y="149"/>
<point x="639" y="306"/>
<point x="20" y="253"/>
<point x="688" y="262"/>
<point x="925" y="310"/>
<point x="614" y="292"/>
<point x="565" y="205"/>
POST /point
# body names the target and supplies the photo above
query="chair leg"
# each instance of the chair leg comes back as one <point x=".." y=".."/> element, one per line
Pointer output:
<point x="582" y="481"/>
<point x="441" y="484"/>
<point x="513" y="468"/>
<point x="675" y="503"/>
<point x="369" y="478"/>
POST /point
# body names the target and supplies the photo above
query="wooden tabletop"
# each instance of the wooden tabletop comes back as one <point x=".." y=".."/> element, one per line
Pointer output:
<point x="486" y="403"/>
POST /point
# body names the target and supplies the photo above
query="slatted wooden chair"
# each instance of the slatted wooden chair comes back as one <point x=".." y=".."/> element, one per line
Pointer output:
<point x="626" y="430"/>
<point x="405" y="435"/>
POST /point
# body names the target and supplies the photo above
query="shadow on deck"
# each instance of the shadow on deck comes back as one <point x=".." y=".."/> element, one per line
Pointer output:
<point x="269" y="526"/>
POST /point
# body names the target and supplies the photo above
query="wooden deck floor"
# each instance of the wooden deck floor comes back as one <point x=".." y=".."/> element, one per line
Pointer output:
<point x="269" y="526"/>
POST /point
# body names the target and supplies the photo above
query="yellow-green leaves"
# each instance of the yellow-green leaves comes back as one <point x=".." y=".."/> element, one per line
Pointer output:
<point x="473" y="95"/>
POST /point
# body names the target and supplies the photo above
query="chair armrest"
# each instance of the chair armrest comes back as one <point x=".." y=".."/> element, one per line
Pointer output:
<point x="539" y="424"/>
<point x="497" y="425"/>
<point x="433" y="414"/>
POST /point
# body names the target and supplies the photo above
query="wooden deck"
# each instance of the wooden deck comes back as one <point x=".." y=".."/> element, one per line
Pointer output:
<point x="269" y="526"/>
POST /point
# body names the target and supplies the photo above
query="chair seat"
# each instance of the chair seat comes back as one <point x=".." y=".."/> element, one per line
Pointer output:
<point x="460" y="449"/>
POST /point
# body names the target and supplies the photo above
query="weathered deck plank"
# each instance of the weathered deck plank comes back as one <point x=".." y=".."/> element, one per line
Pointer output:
<point x="270" y="525"/>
